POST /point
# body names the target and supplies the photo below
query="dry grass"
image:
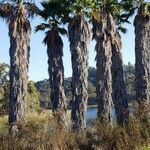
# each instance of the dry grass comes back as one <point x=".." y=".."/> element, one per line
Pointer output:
<point x="3" y="125"/>
<point x="41" y="132"/>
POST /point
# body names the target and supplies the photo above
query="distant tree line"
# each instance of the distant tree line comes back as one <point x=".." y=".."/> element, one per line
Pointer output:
<point x="32" y="92"/>
<point x="39" y="92"/>
<point x="129" y="77"/>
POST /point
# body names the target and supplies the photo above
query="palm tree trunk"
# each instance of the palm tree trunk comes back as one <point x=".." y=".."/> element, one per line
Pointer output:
<point x="56" y="74"/>
<point x="102" y="36"/>
<point x="19" y="33"/>
<point x="110" y="81"/>
<point x="142" y="62"/>
<point x="79" y="37"/>
<point x="119" y="92"/>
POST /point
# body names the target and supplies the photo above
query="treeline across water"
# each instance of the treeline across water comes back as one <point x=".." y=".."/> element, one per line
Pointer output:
<point x="43" y="87"/>
<point x="41" y="90"/>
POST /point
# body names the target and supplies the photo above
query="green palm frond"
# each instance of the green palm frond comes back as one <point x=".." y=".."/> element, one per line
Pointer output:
<point x="129" y="8"/>
<point x="82" y="7"/>
<point x="46" y="12"/>
<point x="62" y="31"/>
<point x="41" y="27"/>
<point x="145" y="9"/>
<point x="128" y="4"/>
<point x="55" y="13"/>
<point x="53" y="9"/>
<point x="113" y="7"/>
<point x="122" y="29"/>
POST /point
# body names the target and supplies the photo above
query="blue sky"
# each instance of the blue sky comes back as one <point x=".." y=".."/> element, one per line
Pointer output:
<point x="38" y="56"/>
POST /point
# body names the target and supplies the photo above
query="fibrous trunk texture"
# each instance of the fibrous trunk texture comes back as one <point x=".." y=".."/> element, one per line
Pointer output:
<point x="119" y="92"/>
<point x="19" y="33"/>
<point x="101" y="29"/>
<point x="110" y="86"/>
<point x="56" y="74"/>
<point x="79" y="37"/>
<point x="142" y="61"/>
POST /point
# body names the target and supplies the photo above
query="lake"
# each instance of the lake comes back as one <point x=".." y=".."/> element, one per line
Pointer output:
<point x="92" y="113"/>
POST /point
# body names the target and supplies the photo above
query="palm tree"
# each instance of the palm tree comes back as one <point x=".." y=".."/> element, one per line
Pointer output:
<point x="119" y="92"/>
<point x="52" y="13"/>
<point x="142" y="54"/>
<point x="110" y="87"/>
<point x="79" y="35"/>
<point x="19" y="33"/>
<point x="103" y="66"/>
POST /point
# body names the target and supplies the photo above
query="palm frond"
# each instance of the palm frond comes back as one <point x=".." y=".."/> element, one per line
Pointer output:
<point x="41" y="27"/>
<point x="51" y="8"/>
<point x="145" y="9"/>
<point x="31" y="8"/>
<point x="6" y="10"/>
<point x="129" y="8"/>
<point x="55" y="9"/>
<point x="122" y="29"/>
<point x="62" y="31"/>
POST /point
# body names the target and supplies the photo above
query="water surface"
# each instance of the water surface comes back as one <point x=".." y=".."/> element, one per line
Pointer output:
<point x="92" y="113"/>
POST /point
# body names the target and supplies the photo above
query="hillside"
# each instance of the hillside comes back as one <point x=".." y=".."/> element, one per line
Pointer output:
<point x="44" y="87"/>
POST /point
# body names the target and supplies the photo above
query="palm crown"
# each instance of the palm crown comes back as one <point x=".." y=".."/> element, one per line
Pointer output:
<point x="121" y="11"/>
<point x="54" y="13"/>
<point x="14" y="7"/>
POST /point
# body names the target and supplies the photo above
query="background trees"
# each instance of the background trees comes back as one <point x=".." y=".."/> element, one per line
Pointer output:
<point x="129" y="77"/>
<point x="4" y="88"/>
<point x="32" y="98"/>
<point x="33" y="103"/>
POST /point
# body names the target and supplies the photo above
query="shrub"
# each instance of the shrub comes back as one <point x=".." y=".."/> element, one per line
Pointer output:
<point x="41" y="132"/>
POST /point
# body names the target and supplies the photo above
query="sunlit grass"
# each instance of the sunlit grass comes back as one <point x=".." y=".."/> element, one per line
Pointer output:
<point x="3" y="125"/>
<point x="33" y="119"/>
<point x="42" y="132"/>
<point x="145" y="148"/>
